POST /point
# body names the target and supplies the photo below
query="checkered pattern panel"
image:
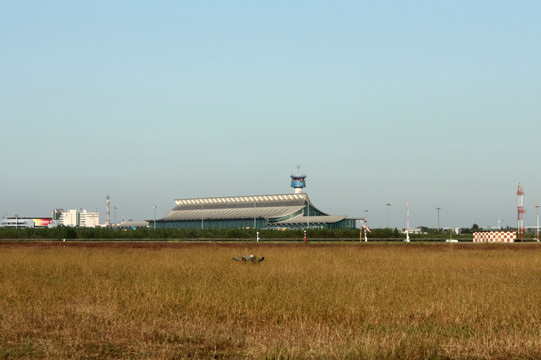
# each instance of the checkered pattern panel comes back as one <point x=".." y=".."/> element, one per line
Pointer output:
<point x="495" y="236"/>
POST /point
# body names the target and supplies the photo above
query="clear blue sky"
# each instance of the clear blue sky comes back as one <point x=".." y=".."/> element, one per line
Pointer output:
<point x="433" y="102"/>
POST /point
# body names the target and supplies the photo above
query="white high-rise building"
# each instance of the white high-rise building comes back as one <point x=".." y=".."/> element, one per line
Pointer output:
<point x="89" y="219"/>
<point x="80" y="218"/>
<point x="69" y="218"/>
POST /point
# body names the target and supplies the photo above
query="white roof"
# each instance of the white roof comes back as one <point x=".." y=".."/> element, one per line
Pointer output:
<point x="270" y="207"/>
<point x="235" y="213"/>
<point x="238" y="207"/>
<point x="239" y="200"/>
<point x="301" y="219"/>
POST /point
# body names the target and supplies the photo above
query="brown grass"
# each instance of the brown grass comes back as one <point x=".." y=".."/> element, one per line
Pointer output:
<point x="349" y="301"/>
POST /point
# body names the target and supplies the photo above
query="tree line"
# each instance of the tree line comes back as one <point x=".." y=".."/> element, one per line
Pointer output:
<point x="71" y="233"/>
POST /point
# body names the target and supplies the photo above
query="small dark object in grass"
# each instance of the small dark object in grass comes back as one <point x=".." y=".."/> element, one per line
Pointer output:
<point x="252" y="259"/>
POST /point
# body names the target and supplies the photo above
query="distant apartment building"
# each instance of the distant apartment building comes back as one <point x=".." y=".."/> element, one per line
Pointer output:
<point x="78" y="218"/>
<point x="57" y="213"/>
<point x="69" y="218"/>
<point x="89" y="219"/>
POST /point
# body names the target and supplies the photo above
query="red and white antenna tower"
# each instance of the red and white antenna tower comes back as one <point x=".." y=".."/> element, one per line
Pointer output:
<point x="520" y="213"/>
<point x="107" y="210"/>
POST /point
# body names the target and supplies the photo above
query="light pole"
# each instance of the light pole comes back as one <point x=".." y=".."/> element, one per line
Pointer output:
<point x="308" y="219"/>
<point x="438" y="218"/>
<point x="155" y="206"/>
<point x="388" y="215"/>
<point x="115" y="213"/>
<point x="407" y="222"/>
<point x="537" y="206"/>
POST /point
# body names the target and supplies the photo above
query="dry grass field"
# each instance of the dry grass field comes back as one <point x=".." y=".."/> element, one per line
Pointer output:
<point x="305" y="301"/>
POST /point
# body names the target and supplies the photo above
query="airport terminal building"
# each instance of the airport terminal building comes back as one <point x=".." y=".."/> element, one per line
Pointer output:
<point x="282" y="211"/>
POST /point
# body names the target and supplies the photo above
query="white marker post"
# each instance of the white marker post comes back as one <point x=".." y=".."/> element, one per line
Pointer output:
<point x="407" y="222"/>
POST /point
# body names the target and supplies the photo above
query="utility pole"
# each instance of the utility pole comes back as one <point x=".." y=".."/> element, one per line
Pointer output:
<point x="388" y="215"/>
<point x="438" y="217"/>
<point x="407" y="222"/>
<point x="361" y="232"/>
<point x="537" y="206"/>
<point x="155" y="206"/>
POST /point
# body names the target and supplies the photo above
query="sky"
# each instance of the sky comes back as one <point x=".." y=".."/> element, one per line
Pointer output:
<point x="432" y="102"/>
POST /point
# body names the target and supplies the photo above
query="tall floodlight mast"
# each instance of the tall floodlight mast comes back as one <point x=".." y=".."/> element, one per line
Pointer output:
<point x="520" y="213"/>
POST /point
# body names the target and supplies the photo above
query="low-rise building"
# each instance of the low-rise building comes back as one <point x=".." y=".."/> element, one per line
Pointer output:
<point x="27" y="222"/>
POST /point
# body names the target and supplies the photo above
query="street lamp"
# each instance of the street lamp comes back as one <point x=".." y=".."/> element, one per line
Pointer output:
<point x="255" y="217"/>
<point x="537" y="206"/>
<point x="115" y="213"/>
<point x="155" y="206"/>
<point x="388" y="215"/>
<point x="438" y="218"/>
<point x="308" y="219"/>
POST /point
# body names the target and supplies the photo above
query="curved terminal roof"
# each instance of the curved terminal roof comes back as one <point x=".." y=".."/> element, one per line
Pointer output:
<point x="238" y="207"/>
<point x="281" y="210"/>
<point x="243" y="200"/>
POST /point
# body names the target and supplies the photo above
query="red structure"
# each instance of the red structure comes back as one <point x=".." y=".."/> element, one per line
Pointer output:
<point x="520" y="213"/>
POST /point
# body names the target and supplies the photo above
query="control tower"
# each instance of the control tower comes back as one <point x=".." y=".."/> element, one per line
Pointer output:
<point x="298" y="182"/>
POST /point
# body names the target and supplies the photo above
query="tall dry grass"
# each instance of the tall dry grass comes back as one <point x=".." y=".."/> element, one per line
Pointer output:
<point x="372" y="301"/>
